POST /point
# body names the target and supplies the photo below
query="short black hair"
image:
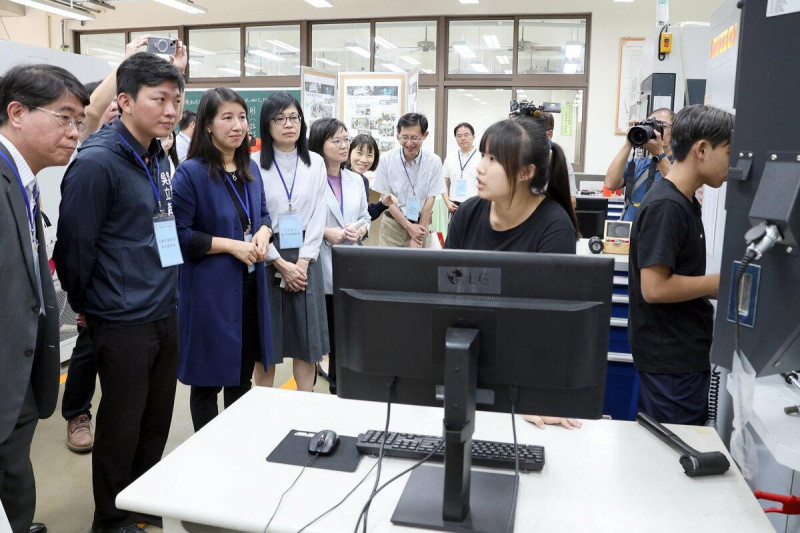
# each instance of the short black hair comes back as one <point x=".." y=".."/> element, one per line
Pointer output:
<point x="361" y="140"/>
<point x="188" y="117"/>
<point x="321" y="130"/>
<point x="699" y="123"/>
<point x="145" y="70"/>
<point x="464" y="125"/>
<point x="409" y="120"/>
<point x="271" y="108"/>
<point x="37" y="86"/>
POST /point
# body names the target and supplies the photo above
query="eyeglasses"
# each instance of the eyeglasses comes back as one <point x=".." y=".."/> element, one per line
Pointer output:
<point x="341" y="142"/>
<point x="406" y="138"/>
<point x="66" y="121"/>
<point x="292" y="119"/>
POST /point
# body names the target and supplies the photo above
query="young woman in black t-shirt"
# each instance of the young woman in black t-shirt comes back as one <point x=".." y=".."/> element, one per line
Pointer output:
<point x="523" y="202"/>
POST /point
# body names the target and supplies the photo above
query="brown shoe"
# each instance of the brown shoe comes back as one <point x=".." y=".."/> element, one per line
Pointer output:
<point x="79" y="434"/>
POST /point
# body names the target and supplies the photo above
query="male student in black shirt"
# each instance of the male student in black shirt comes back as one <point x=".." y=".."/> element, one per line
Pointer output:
<point x="671" y="317"/>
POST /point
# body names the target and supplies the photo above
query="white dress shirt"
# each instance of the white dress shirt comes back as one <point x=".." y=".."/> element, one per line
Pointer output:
<point x="308" y="197"/>
<point x="425" y="178"/>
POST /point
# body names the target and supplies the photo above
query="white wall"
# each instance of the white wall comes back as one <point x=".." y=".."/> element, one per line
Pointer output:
<point x="610" y="22"/>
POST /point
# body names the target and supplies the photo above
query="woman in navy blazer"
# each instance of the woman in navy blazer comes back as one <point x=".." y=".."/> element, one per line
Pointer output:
<point x="223" y="228"/>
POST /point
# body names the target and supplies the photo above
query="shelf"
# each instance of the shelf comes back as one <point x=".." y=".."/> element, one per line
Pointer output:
<point x="779" y="432"/>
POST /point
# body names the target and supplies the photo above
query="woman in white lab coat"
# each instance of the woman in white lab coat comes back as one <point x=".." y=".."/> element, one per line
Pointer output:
<point x="347" y="219"/>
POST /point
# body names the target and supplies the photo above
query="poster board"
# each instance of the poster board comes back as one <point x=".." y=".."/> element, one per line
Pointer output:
<point x="319" y="94"/>
<point x="372" y="102"/>
<point x="252" y="97"/>
<point x="628" y="82"/>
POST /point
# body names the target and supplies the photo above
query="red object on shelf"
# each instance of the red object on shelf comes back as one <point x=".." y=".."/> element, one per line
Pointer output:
<point x="791" y="504"/>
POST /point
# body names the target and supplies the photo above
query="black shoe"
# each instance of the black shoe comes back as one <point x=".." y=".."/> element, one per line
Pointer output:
<point x="37" y="528"/>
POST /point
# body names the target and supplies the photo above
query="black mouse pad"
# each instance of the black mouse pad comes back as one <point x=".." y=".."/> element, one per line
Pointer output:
<point x="293" y="450"/>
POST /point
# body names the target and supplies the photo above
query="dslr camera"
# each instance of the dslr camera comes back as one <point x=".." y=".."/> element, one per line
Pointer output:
<point x="643" y="131"/>
<point x="161" y="45"/>
<point x="524" y="108"/>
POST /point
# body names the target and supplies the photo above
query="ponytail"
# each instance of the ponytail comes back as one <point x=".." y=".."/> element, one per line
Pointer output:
<point x="558" y="186"/>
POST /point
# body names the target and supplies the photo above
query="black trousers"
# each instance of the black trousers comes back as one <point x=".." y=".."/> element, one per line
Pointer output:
<point x="17" y="485"/>
<point x="81" y="378"/>
<point x="138" y="370"/>
<point x="203" y="399"/>
<point x="331" y="336"/>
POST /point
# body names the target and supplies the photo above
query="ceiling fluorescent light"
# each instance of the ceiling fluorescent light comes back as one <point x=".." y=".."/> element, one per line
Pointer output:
<point x="319" y="3"/>
<point x="328" y="62"/>
<point x="393" y="68"/>
<point x="357" y="49"/>
<point x="201" y="51"/>
<point x="479" y="67"/>
<point x="572" y="49"/>
<point x="463" y="49"/>
<point x="107" y="52"/>
<point x="266" y="55"/>
<point x="57" y="9"/>
<point x="228" y="70"/>
<point x="285" y="46"/>
<point x="492" y="42"/>
<point x="386" y="44"/>
<point x="410" y="60"/>
<point x="503" y="60"/>
<point x="184" y="5"/>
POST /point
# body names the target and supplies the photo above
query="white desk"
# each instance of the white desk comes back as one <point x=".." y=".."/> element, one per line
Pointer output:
<point x="609" y="476"/>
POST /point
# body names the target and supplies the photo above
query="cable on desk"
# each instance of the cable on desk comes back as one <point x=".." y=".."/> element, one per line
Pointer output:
<point x="363" y="479"/>
<point x="309" y="463"/>
<point x="365" y="511"/>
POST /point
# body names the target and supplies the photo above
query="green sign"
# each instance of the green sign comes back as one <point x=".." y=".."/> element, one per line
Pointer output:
<point x="252" y="97"/>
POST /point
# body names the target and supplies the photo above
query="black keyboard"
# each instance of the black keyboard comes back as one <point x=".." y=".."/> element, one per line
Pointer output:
<point x="484" y="452"/>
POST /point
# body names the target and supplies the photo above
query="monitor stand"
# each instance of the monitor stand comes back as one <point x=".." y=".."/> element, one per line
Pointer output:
<point x="457" y="499"/>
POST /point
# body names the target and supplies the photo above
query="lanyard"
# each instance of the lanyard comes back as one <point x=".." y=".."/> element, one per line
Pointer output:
<point x="246" y="204"/>
<point x="465" y="162"/>
<point x="156" y="190"/>
<point x="25" y="196"/>
<point x="403" y="160"/>
<point x="341" y="196"/>
<point x="294" y="179"/>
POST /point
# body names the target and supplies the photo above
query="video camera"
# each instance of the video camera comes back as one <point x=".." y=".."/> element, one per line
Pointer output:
<point x="524" y="108"/>
<point x="643" y="131"/>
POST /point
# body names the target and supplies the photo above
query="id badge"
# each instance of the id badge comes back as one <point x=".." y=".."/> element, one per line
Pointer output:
<point x="461" y="188"/>
<point x="412" y="209"/>
<point x="290" y="226"/>
<point x="169" y="250"/>
<point x="250" y="268"/>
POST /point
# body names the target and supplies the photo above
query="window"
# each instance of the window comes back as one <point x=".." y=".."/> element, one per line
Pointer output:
<point x="480" y="47"/>
<point x="479" y="107"/>
<point x="404" y="46"/>
<point x="567" y="129"/>
<point x="215" y="53"/>
<point x="551" y="46"/>
<point x="272" y="51"/>
<point x="109" y="46"/>
<point x="340" y="47"/>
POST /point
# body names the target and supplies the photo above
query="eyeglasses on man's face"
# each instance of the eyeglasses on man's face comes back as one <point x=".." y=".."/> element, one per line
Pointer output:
<point x="65" y="121"/>
<point x="343" y="141"/>
<point x="280" y="120"/>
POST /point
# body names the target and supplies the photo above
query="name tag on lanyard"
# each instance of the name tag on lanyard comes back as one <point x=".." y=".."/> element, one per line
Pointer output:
<point x="290" y="228"/>
<point x="169" y="250"/>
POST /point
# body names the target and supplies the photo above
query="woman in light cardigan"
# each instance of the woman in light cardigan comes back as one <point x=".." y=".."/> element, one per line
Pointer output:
<point x="347" y="217"/>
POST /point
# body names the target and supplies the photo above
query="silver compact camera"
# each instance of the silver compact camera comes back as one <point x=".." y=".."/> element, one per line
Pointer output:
<point x="161" y="45"/>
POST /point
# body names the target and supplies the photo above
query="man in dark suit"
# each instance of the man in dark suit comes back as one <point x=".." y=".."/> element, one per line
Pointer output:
<point x="41" y="115"/>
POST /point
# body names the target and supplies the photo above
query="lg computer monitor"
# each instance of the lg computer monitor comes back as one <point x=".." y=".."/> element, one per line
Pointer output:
<point x="474" y="329"/>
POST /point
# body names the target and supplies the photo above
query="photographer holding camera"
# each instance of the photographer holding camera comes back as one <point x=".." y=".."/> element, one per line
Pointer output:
<point x="638" y="174"/>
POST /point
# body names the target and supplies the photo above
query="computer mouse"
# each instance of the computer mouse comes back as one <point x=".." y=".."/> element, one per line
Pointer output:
<point x="323" y="443"/>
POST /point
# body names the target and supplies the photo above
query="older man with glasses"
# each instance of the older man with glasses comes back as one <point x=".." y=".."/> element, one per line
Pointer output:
<point x="415" y="177"/>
